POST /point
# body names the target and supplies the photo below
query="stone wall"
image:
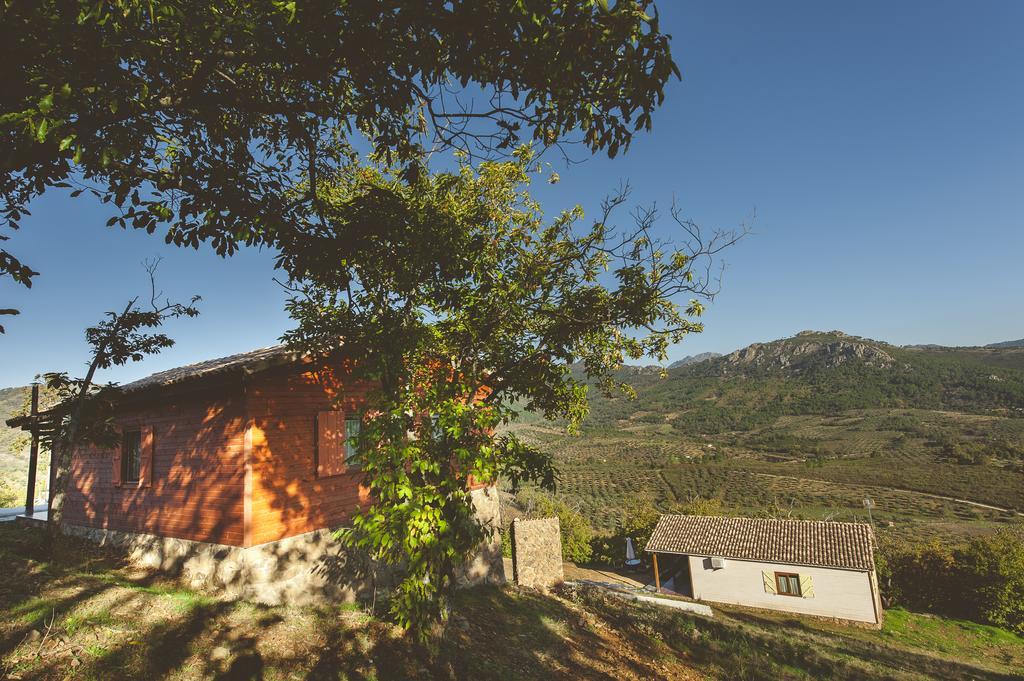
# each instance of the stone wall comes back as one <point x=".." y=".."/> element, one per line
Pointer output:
<point x="308" y="568"/>
<point x="300" y="570"/>
<point x="486" y="565"/>
<point x="537" y="552"/>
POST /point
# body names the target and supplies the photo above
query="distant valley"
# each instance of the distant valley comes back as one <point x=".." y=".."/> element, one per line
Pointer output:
<point x="810" y="426"/>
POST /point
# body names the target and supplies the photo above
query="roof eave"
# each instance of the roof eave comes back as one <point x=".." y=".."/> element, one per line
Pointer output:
<point x="851" y="568"/>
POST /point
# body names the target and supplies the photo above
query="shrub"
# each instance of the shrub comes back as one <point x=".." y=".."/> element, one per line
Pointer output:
<point x="8" y="495"/>
<point x="576" y="531"/>
<point x="700" y="506"/>
<point x="994" y="568"/>
<point x="639" y="517"/>
<point x="918" y="576"/>
<point x="982" y="581"/>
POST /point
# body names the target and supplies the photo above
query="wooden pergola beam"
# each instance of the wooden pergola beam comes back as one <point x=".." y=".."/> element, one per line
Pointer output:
<point x="33" y="456"/>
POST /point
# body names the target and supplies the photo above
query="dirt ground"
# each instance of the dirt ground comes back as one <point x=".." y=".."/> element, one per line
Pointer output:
<point x="633" y="579"/>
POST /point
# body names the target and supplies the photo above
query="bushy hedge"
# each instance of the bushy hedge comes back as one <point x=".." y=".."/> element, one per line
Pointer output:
<point x="576" y="531"/>
<point x="982" y="580"/>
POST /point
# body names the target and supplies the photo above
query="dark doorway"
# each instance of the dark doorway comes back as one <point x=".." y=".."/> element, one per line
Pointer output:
<point x="675" y="574"/>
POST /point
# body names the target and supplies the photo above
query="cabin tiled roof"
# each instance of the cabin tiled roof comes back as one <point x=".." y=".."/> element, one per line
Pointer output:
<point x="798" y="542"/>
<point x="249" y="362"/>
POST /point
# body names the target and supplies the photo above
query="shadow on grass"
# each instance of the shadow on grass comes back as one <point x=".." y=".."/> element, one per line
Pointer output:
<point x="893" y="657"/>
<point x="508" y="635"/>
<point x="750" y="646"/>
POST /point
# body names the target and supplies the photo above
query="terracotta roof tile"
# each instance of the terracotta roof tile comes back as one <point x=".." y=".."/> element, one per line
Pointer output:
<point x="799" y="542"/>
<point x="254" y="359"/>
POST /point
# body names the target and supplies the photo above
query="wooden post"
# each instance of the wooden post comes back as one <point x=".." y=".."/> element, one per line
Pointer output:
<point x="33" y="455"/>
<point x="53" y="477"/>
<point x="657" y="579"/>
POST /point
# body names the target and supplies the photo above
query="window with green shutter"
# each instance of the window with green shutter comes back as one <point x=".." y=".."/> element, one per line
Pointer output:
<point x="352" y="428"/>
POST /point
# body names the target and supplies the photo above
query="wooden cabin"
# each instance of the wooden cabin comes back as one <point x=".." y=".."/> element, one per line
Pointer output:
<point x="240" y="460"/>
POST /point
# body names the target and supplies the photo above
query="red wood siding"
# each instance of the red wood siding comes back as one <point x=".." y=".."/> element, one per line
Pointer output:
<point x="230" y="462"/>
<point x="288" y="497"/>
<point x="193" y="472"/>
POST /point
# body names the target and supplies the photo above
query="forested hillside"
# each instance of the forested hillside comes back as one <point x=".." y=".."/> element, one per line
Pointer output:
<point x="822" y="374"/>
<point x="810" y="426"/>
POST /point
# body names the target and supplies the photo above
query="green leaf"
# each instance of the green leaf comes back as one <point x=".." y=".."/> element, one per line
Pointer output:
<point x="46" y="103"/>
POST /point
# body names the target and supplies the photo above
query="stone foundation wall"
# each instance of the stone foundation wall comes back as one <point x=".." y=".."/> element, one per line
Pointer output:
<point x="486" y="565"/>
<point x="308" y="568"/>
<point x="300" y="570"/>
<point x="537" y="552"/>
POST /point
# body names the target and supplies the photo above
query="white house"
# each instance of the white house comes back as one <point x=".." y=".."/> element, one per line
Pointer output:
<point x="811" y="567"/>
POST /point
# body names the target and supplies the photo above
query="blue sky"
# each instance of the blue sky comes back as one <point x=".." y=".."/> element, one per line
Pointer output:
<point x="880" y="143"/>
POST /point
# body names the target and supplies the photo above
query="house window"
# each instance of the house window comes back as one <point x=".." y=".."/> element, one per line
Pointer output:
<point x="787" y="584"/>
<point x="352" y="428"/>
<point x="131" y="456"/>
<point x="337" y="440"/>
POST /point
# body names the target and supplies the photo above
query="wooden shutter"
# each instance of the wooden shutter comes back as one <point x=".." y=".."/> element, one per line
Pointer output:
<point x="146" y="448"/>
<point x="769" y="582"/>
<point x="330" y="443"/>
<point x="806" y="586"/>
<point x="118" y="455"/>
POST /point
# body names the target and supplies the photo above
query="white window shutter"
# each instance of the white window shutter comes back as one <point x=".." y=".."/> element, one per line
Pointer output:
<point x="769" y="582"/>
<point x="806" y="586"/>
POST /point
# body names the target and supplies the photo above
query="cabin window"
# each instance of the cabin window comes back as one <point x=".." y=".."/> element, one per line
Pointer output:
<point x="352" y="429"/>
<point x="787" y="584"/>
<point x="337" y="435"/>
<point x="131" y="456"/>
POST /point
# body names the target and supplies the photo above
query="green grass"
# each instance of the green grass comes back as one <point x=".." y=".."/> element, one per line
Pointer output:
<point x="34" y="609"/>
<point x="957" y="638"/>
<point x="74" y="623"/>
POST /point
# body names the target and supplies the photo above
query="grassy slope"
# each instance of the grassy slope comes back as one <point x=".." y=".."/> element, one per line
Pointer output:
<point x="94" y="618"/>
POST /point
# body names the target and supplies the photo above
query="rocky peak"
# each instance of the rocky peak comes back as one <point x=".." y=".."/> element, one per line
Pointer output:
<point x="828" y="350"/>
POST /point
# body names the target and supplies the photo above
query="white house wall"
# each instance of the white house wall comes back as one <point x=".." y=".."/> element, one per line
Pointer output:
<point x="844" y="594"/>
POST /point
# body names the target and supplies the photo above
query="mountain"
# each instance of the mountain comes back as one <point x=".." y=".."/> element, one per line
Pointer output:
<point x="1007" y="344"/>
<point x="821" y="373"/>
<point x="694" y="359"/>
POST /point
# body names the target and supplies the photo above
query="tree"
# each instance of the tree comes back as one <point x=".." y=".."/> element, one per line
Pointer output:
<point x="993" y="566"/>
<point x="638" y="519"/>
<point x="454" y="295"/>
<point x="202" y="120"/>
<point x="87" y="407"/>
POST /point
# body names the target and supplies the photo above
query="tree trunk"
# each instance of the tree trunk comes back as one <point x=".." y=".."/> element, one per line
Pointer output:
<point x="64" y="446"/>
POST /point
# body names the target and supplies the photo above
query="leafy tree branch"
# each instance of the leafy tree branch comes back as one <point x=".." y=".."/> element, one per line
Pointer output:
<point x="86" y="409"/>
<point x="202" y="120"/>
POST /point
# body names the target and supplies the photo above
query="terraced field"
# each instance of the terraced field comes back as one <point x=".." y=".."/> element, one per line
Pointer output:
<point x="852" y="458"/>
